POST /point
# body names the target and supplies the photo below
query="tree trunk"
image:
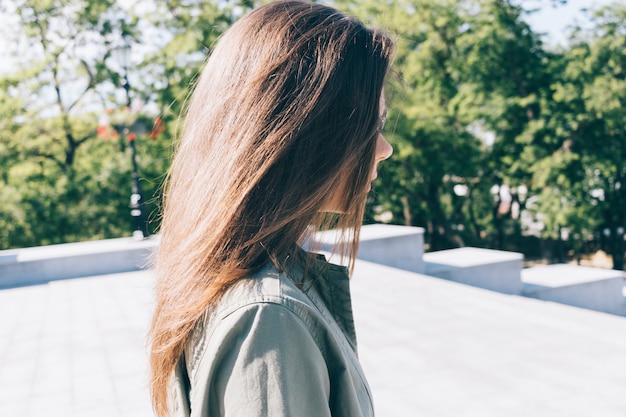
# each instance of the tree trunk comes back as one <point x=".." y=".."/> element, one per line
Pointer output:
<point x="472" y="215"/>
<point x="406" y="211"/>
<point x="618" y="249"/>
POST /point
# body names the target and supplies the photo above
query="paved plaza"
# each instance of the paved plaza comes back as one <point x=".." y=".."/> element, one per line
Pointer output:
<point x="430" y="347"/>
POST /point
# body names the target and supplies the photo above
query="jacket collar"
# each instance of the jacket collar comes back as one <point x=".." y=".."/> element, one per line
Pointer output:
<point x="324" y="283"/>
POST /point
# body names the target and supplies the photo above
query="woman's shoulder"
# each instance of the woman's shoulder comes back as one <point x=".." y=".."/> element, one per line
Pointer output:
<point x="267" y="299"/>
<point x="268" y="285"/>
<point x="268" y="289"/>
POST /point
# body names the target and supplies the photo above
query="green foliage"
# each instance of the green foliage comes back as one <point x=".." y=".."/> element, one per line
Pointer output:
<point x="589" y="167"/>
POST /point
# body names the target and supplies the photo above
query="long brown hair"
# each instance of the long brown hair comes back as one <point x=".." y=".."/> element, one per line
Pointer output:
<point x="285" y="112"/>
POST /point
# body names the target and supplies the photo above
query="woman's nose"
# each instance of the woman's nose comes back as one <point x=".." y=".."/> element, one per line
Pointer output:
<point x="383" y="148"/>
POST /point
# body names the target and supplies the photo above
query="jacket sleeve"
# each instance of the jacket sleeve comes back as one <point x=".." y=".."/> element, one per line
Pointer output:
<point x="264" y="362"/>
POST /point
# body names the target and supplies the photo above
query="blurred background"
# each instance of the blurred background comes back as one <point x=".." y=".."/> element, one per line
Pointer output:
<point x="508" y="119"/>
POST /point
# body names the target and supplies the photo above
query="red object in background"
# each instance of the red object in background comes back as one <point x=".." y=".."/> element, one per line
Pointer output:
<point x="102" y="132"/>
<point x="106" y="133"/>
<point x="157" y="128"/>
<point x="132" y="136"/>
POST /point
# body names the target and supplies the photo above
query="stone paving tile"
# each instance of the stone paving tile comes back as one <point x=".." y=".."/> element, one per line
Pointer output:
<point x="429" y="347"/>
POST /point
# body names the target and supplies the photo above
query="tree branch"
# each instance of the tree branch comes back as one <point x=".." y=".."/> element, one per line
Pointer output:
<point x="90" y="85"/>
<point x="50" y="157"/>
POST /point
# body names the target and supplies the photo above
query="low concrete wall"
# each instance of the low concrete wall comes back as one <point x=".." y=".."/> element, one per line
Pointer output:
<point x="485" y="268"/>
<point x="581" y="286"/>
<point x="39" y="265"/>
<point x="396" y="246"/>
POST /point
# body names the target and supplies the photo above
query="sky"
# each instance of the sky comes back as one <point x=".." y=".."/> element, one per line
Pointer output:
<point x="553" y="21"/>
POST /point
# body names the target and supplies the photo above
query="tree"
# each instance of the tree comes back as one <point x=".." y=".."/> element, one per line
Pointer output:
<point x="587" y="172"/>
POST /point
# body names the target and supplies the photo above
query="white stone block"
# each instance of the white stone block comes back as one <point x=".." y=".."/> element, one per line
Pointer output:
<point x="581" y="286"/>
<point x="38" y="265"/>
<point x="396" y="246"/>
<point x="485" y="268"/>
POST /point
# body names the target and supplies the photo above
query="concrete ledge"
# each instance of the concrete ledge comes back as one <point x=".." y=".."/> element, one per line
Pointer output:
<point x="396" y="246"/>
<point x="485" y="268"/>
<point x="581" y="286"/>
<point x="39" y="265"/>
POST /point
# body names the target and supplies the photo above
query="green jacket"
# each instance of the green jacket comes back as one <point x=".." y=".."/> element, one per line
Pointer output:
<point x="279" y="343"/>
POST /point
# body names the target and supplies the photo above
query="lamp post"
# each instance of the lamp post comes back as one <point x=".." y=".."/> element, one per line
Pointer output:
<point x="140" y="231"/>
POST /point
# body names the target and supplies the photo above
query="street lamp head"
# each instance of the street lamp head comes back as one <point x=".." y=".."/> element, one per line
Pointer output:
<point x="121" y="54"/>
<point x="139" y="127"/>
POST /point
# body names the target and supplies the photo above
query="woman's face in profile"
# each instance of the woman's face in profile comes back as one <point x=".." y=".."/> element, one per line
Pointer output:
<point x="383" y="151"/>
<point x="383" y="148"/>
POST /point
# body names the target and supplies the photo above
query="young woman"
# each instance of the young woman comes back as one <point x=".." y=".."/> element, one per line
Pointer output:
<point x="282" y="136"/>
